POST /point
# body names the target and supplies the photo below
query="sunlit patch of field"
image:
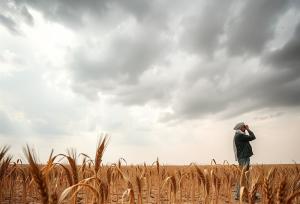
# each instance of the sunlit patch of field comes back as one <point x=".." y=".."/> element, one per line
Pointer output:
<point x="77" y="178"/>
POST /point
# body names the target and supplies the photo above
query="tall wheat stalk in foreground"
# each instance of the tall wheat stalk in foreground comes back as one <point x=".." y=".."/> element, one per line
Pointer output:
<point x="37" y="175"/>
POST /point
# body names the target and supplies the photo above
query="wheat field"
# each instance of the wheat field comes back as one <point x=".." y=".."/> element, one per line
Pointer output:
<point x="77" y="178"/>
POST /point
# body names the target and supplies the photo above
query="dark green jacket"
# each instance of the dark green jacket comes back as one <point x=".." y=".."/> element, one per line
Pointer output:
<point x="243" y="147"/>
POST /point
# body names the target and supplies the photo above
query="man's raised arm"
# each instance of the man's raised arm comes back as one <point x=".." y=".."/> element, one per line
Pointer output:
<point x="250" y="137"/>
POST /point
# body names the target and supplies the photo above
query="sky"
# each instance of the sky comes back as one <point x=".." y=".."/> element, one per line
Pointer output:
<point x="166" y="79"/>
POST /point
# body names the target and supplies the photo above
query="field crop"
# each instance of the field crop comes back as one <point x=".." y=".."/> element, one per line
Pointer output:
<point x="77" y="178"/>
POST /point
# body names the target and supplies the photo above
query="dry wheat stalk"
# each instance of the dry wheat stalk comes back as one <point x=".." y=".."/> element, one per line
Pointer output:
<point x="37" y="175"/>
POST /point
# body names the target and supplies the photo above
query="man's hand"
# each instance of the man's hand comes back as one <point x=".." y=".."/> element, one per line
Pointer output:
<point x="251" y="134"/>
<point x="246" y="127"/>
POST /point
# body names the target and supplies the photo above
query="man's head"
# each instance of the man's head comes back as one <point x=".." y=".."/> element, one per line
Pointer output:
<point x="240" y="126"/>
<point x="243" y="128"/>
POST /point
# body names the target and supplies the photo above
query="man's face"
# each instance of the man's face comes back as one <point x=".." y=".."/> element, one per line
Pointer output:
<point x="243" y="128"/>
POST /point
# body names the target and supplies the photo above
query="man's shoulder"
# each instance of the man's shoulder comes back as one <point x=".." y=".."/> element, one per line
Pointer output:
<point x="239" y="135"/>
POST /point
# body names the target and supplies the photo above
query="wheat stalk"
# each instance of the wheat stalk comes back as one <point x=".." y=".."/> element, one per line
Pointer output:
<point x="37" y="175"/>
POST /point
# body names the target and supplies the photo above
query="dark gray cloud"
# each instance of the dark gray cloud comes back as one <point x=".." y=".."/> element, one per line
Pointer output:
<point x="254" y="26"/>
<point x="155" y="91"/>
<point x="202" y="31"/>
<point x="241" y="27"/>
<point x="125" y="59"/>
<point x="27" y="16"/>
<point x="231" y="94"/>
<point x="120" y="65"/>
<point x="10" y="24"/>
<point x="12" y="15"/>
<point x="74" y="13"/>
<point x="230" y="89"/>
<point x="142" y="9"/>
<point x="287" y="57"/>
<point x="67" y="12"/>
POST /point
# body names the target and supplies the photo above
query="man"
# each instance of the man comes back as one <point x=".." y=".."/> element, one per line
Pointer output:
<point x="242" y="148"/>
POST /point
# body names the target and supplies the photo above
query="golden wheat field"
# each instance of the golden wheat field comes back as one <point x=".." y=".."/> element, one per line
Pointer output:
<point x="77" y="178"/>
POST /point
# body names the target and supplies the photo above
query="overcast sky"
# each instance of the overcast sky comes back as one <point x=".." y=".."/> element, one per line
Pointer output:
<point x="166" y="79"/>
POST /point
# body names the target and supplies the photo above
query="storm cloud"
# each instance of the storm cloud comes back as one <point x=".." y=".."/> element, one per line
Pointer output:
<point x="203" y="30"/>
<point x="142" y="39"/>
<point x="12" y="15"/>
<point x="9" y="24"/>
<point x="287" y="57"/>
<point x="254" y="26"/>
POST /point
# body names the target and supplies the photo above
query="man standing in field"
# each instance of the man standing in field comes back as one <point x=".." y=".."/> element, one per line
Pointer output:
<point x="242" y="148"/>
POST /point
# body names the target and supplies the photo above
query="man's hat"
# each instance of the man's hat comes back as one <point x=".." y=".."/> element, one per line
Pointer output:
<point x="239" y="125"/>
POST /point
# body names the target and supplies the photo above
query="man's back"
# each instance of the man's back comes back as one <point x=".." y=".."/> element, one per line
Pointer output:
<point x="243" y="147"/>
